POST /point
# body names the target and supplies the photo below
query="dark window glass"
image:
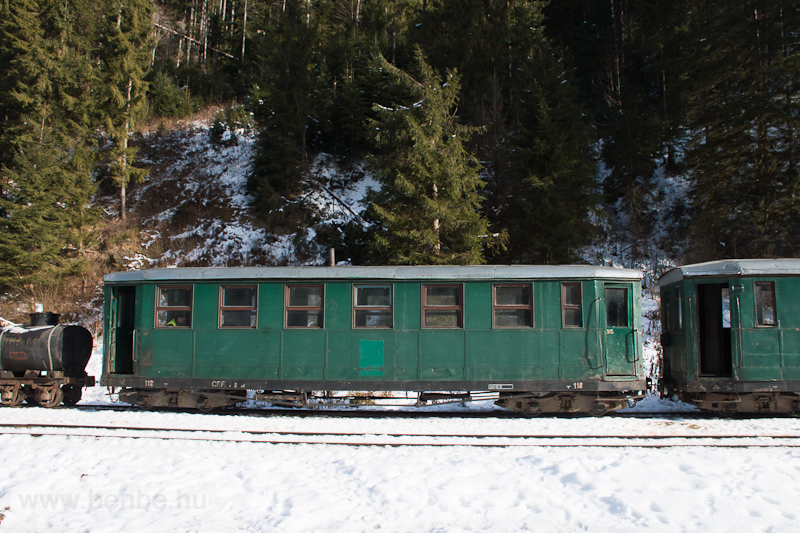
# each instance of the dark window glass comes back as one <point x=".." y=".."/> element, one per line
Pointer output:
<point x="304" y="306"/>
<point x="239" y="297"/>
<point x="174" y="296"/>
<point x="513" y="306"/>
<point x="726" y="308"/>
<point x="305" y="296"/>
<point x="238" y="309"/>
<point x="373" y="296"/>
<point x="765" y="303"/>
<point x="616" y="308"/>
<point x="372" y="306"/>
<point x="441" y="306"/>
<point x="678" y="307"/>
<point x="174" y="307"/>
<point x="571" y="305"/>
<point x="303" y="319"/>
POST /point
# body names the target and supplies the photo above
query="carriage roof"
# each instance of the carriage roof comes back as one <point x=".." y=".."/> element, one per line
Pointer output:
<point x="733" y="267"/>
<point x="465" y="273"/>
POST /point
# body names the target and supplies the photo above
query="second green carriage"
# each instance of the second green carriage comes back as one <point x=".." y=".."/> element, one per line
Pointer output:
<point x="731" y="335"/>
<point x="535" y="338"/>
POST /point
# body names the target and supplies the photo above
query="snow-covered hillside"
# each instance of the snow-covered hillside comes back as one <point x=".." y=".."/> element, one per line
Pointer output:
<point x="194" y="208"/>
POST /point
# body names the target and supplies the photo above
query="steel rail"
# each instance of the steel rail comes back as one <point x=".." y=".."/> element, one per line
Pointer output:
<point x="361" y="412"/>
<point x="396" y="439"/>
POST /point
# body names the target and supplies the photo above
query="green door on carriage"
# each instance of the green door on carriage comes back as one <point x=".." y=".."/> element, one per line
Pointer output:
<point x="620" y="333"/>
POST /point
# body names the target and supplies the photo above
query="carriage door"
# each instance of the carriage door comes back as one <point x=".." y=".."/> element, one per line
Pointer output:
<point x="714" y="329"/>
<point x="620" y="335"/>
<point x="123" y="305"/>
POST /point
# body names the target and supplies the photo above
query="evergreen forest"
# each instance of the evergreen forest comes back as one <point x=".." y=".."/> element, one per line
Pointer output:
<point x="500" y="131"/>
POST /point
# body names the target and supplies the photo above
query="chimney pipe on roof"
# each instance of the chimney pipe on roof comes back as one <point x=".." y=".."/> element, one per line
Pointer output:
<point x="331" y="257"/>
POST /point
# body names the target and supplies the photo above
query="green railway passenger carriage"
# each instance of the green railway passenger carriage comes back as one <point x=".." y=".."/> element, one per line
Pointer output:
<point x="536" y="338"/>
<point x="731" y="335"/>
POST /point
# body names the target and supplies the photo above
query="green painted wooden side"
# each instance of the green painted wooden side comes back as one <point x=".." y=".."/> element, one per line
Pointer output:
<point x="407" y="352"/>
<point x="759" y="353"/>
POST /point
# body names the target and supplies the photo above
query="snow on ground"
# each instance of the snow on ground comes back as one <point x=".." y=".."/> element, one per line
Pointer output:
<point x="65" y="483"/>
<point x="79" y="483"/>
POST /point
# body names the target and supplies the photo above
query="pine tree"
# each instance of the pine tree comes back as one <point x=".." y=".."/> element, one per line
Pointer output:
<point x="125" y="57"/>
<point x="47" y="164"/>
<point x="545" y="192"/>
<point x="287" y="102"/>
<point x="428" y="208"/>
<point x="744" y="118"/>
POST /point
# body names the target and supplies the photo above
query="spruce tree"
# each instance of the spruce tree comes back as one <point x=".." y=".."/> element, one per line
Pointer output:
<point x="286" y="102"/>
<point x="545" y="191"/>
<point x="124" y="55"/>
<point x="47" y="163"/>
<point x="744" y="119"/>
<point x="428" y="209"/>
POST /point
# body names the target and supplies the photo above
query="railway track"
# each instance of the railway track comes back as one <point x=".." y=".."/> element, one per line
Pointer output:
<point x="360" y="412"/>
<point x="344" y="411"/>
<point x="349" y="438"/>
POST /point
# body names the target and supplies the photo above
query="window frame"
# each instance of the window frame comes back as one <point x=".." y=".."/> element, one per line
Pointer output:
<point x="759" y="305"/>
<point x="357" y="308"/>
<point x="189" y="309"/>
<point x="565" y="307"/>
<point x="626" y="306"/>
<point x="459" y="307"/>
<point x="287" y="307"/>
<point x="512" y="307"/>
<point x="223" y="308"/>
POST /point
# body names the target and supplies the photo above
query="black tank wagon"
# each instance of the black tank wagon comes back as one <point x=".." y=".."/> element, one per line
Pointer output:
<point x="731" y="335"/>
<point x="44" y="363"/>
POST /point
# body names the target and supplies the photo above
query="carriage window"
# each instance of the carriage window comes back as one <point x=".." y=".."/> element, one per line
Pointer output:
<point x="616" y="308"/>
<point x="512" y="306"/>
<point x="441" y="306"/>
<point x="679" y="307"/>
<point x="666" y="312"/>
<point x="571" y="305"/>
<point x="765" y="303"/>
<point x="726" y="308"/>
<point x="372" y="306"/>
<point x="238" y="306"/>
<point x="304" y="304"/>
<point x="174" y="307"/>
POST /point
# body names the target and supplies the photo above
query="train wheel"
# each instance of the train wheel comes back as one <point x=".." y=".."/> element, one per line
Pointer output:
<point x="72" y="394"/>
<point x="203" y="408"/>
<point x="15" y="398"/>
<point x="50" y="396"/>
<point x="31" y="396"/>
<point x="599" y="409"/>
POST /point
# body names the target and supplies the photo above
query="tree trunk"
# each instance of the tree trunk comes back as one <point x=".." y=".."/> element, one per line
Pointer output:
<point x="437" y="248"/>
<point x="244" y="28"/>
<point x="124" y="186"/>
